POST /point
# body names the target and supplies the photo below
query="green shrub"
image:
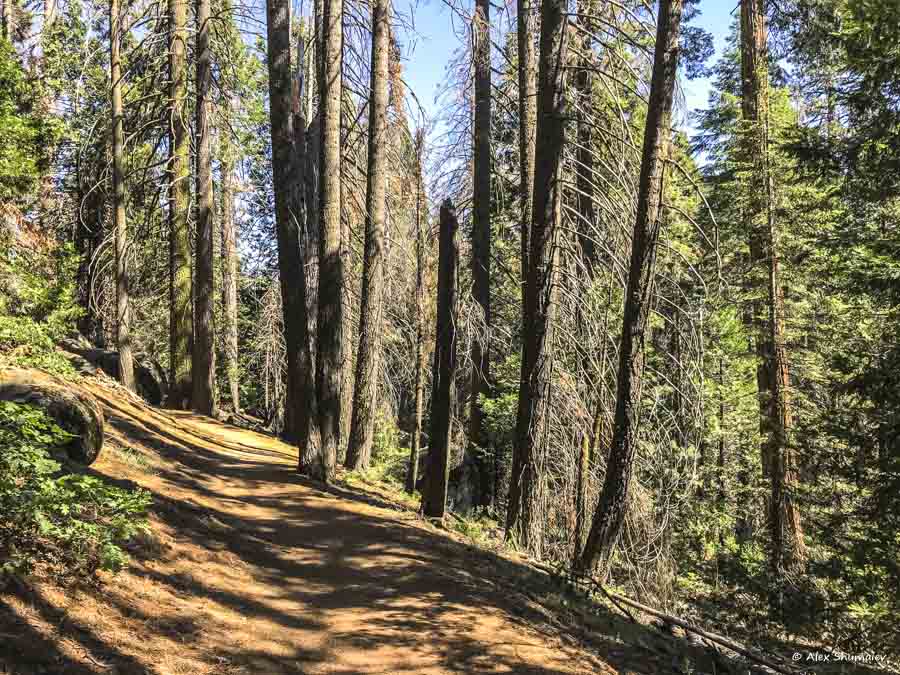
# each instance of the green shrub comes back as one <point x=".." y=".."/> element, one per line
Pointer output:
<point x="38" y="306"/>
<point x="390" y="459"/>
<point x="25" y="342"/>
<point x="70" y="525"/>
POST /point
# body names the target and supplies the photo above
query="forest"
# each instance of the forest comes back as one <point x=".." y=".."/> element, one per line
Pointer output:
<point x="653" y="349"/>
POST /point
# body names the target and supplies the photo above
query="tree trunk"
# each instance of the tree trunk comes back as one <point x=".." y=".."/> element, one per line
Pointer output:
<point x="584" y="200"/>
<point x="610" y="514"/>
<point x="204" y="336"/>
<point x="481" y="251"/>
<point x="181" y="315"/>
<point x="362" y="427"/>
<point x="434" y="493"/>
<point x="120" y="225"/>
<point x="788" y="551"/>
<point x="412" y="474"/>
<point x="301" y="203"/>
<point x="720" y="460"/>
<point x="230" y="275"/>
<point x="329" y="345"/>
<point x="525" y="30"/>
<point x="540" y="295"/>
<point x="291" y="272"/>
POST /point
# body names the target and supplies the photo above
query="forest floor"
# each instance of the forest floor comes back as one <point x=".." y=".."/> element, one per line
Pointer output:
<point x="251" y="568"/>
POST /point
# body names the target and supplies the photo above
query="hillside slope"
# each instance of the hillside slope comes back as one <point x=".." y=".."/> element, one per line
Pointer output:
<point x="252" y="569"/>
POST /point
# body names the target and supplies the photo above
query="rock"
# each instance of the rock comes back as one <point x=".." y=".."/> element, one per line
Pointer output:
<point x="150" y="378"/>
<point x="73" y="410"/>
<point x="460" y="492"/>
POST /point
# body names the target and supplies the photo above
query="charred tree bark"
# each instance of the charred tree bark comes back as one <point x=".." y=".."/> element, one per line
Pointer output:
<point x="120" y="224"/>
<point x="362" y="426"/>
<point x="540" y="296"/>
<point x="779" y="462"/>
<point x="329" y="338"/>
<point x="434" y="493"/>
<point x="481" y="250"/>
<point x="230" y="274"/>
<point x="181" y="313"/>
<point x="610" y="514"/>
<point x="412" y="474"/>
<point x="204" y="328"/>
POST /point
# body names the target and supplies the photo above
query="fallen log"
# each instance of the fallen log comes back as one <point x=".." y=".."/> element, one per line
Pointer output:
<point x="73" y="410"/>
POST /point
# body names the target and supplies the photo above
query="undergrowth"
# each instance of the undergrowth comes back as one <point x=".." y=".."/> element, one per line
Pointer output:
<point x="37" y="303"/>
<point x="67" y="525"/>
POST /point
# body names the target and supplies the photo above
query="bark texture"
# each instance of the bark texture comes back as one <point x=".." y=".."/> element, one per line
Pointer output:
<point x="539" y="311"/>
<point x="434" y="493"/>
<point x="181" y="314"/>
<point x="329" y="338"/>
<point x="291" y="272"/>
<point x="9" y="19"/>
<point x="120" y="224"/>
<point x="301" y="205"/>
<point x="526" y="27"/>
<point x="609" y="517"/>
<point x="204" y="328"/>
<point x="362" y="426"/>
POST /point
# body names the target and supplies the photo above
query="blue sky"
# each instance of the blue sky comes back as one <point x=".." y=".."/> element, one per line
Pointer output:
<point x="436" y="42"/>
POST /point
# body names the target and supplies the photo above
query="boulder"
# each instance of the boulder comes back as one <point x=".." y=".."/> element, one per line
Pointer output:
<point x="150" y="378"/>
<point x="72" y="409"/>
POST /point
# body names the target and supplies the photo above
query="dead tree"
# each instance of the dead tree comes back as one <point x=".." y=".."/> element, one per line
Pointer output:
<point x="434" y="493"/>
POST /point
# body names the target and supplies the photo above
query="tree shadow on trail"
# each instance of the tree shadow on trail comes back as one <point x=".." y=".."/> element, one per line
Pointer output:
<point x="269" y="572"/>
<point x="25" y="650"/>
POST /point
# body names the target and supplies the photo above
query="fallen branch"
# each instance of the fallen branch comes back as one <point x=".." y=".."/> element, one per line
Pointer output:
<point x="675" y="621"/>
<point x="713" y="637"/>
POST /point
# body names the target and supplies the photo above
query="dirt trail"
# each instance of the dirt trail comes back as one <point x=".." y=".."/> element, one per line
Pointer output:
<point x="255" y="570"/>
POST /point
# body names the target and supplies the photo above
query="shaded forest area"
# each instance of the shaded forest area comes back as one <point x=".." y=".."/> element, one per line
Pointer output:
<point x="655" y="347"/>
